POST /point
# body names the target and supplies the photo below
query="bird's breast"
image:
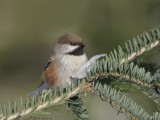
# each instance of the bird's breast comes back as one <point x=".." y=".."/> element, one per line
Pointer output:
<point x="59" y="72"/>
<point x="68" y="65"/>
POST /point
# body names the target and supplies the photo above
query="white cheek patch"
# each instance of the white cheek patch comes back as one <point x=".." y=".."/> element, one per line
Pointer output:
<point x="65" y="48"/>
<point x="70" y="48"/>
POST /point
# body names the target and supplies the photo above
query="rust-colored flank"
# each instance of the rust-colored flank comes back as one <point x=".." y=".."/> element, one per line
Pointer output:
<point x="49" y="75"/>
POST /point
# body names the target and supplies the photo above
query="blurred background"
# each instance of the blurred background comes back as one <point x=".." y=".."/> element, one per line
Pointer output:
<point x="29" y="29"/>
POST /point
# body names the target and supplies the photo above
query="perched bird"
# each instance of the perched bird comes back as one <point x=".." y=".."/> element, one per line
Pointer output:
<point x="67" y="58"/>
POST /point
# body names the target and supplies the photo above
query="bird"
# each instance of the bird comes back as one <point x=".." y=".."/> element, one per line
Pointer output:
<point x="66" y="59"/>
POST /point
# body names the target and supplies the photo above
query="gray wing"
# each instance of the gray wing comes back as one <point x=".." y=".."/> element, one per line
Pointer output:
<point x="47" y="64"/>
<point x="37" y="91"/>
<point x="43" y="85"/>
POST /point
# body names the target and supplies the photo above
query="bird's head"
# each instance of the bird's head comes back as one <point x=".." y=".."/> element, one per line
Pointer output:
<point x="69" y="44"/>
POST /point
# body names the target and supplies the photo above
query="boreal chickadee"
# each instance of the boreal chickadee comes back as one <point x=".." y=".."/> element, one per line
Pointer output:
<point x="67" y="58"/>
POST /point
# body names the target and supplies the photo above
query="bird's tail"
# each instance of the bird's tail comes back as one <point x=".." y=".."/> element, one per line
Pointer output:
<point x="37" y="91"/>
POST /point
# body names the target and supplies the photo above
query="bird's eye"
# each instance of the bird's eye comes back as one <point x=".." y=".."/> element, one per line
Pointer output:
<point x="73" y="43"/>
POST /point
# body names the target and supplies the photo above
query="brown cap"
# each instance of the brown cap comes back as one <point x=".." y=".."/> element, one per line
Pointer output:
<point x="70" y="38"/>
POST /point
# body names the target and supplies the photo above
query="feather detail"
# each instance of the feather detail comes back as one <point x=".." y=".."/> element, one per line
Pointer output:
<point x="37" y="91"/>
<point x="49" y="75"/>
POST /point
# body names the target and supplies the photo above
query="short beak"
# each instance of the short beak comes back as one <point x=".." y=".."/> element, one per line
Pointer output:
<point x="82" y="45"/>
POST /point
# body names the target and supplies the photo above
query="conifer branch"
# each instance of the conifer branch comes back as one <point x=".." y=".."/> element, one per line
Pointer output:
<point x="46" y="99"/>
<point x="139" y="45"/>
<point x="116" y="65"/>
<point x="120" y="102"/>
<point x="76" y="105"/>
<point x="130" y="72"/>
<point x="151" y="93"/>
<point x="155" y="116"/>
